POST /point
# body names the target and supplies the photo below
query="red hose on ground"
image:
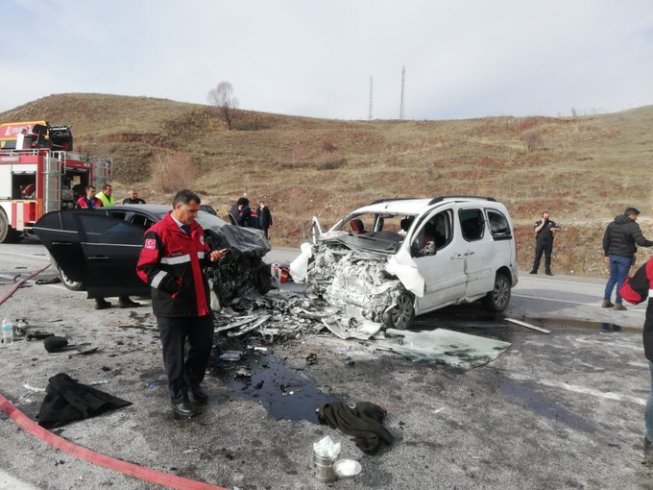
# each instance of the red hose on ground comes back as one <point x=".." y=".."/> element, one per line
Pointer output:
<point x="124" y="467"/>
<point x="15" y="286"/>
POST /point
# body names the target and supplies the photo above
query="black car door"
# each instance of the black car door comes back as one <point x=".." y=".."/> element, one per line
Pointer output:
<point x="58" y="233"/>
<point x="111" y="247"/>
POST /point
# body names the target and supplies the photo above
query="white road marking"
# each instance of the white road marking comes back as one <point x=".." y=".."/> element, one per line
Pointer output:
<point x="8" y="482"/>
<point x="638" y="364"/>
<point x="595" y="304"/>
<point x="27" y="256"/>
<point x="608" y="395"/>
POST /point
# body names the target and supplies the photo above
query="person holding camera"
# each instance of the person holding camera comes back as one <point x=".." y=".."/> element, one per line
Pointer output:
<point x="545" y="230"/>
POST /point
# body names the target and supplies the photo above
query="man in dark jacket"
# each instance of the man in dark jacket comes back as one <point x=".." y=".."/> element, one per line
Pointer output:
<point x="620" y="242"/>
<point x="264" y="217"/>
<point x="545" y="230"/>
<point x="133" y="198"/>
<point x="171" y="261"/>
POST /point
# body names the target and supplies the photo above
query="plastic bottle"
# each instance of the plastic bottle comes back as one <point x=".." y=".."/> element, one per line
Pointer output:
<point x="7" y="331"/>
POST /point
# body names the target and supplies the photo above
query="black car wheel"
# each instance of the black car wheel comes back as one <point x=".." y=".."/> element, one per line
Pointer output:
<point x="69" y="283"/>
<point x="497" y="300"/>
<point x="402" y="314"/>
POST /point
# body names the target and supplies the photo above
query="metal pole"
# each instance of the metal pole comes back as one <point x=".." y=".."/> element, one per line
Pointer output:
<point x="401" y="105"/>
<point x="371" y="94"/>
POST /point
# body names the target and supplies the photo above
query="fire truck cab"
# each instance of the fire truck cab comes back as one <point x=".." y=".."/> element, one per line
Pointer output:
<point x="40" y="173"/>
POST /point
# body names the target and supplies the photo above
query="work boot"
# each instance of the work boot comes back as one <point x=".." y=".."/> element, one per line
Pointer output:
<point x="183" y="408"/>
<point x="125" y="302"/>
<point x="198" y="395"/>
<point x="102" y="304"/>
<point x="606" y="304"/>
<point x="533" y="272"/>
<point x="549" y="273"/>
<point x="648" y="452"/>
<point x="619" y="307"/>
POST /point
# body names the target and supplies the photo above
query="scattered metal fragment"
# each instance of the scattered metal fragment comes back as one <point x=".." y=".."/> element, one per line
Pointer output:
<point x="85" y="352"/>
<point x="29" y="387"/>
<point x="527" y="325"/>
<point x="231" y="356"/>
<point x="248" y="328"/>
<point x="311" y="359"/>
<point x="239" y="322"/>
<point x="352" y="328"/>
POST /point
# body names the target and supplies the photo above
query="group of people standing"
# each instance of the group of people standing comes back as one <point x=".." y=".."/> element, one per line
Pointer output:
<point x="242" y="214"/>
<point x="620" y="242"/>
<point x="105" y="197"/>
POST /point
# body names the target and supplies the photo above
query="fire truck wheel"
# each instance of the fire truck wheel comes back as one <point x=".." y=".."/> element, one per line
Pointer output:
<point x="69" y="283"/>
<point x="7" y="233"/>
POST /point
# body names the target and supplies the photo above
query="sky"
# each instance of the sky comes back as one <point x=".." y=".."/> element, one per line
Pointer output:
<point x="463" y="58"/>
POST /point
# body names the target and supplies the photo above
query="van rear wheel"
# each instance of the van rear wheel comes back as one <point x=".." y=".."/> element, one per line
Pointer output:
<point x="498" y="299"/>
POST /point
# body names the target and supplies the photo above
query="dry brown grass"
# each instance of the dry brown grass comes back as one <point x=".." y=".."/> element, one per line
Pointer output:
<point x="173" y="172"/>
<point x="584" y="170"/>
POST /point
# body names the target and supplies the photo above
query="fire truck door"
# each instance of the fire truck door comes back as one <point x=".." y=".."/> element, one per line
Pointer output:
<point x="52" y="182"/>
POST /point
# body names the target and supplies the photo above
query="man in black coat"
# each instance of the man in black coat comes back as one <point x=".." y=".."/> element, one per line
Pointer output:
<point x="620" y="242"/>
<point x="545" y="229"/>
<point x="264" y="217"/>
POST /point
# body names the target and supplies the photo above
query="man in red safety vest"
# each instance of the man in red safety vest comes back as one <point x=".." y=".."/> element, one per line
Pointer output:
<point x="171" y="261"/>
<point x="88" y="201"/>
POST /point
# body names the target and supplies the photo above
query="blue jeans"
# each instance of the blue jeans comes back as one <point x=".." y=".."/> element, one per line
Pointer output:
<point x="648" y="415"/>
<point x="619" y="267"/>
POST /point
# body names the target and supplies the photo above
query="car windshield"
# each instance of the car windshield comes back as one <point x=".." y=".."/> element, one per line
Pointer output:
<point x="370" y="224"/>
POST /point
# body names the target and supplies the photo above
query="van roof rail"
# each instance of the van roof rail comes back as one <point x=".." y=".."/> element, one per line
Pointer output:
<point x="395" y="199"/>
<point x="442" y="198"/>
<point x="432" y="201"/>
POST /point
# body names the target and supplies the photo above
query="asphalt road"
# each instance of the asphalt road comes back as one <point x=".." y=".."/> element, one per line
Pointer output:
<point x="559" y="410"/>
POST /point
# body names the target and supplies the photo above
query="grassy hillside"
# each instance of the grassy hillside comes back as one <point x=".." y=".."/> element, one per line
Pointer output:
<point x="583" y="170"/>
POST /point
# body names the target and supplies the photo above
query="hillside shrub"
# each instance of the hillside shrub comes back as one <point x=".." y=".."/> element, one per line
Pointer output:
<point x="329" y="161"/>
<point x="172" y="172"/>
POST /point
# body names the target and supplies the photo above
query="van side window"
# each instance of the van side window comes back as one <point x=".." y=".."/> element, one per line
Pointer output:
<point x="472" y="224"/>
<point x="499" y="226"/>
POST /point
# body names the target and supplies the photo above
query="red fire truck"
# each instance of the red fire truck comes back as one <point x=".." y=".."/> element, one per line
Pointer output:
<point x="40" y="173"/>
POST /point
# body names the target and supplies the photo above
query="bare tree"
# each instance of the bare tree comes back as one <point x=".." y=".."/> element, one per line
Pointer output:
<point x="222" y="98"/>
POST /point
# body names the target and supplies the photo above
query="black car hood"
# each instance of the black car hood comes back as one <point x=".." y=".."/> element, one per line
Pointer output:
<point x="244" y="240"/>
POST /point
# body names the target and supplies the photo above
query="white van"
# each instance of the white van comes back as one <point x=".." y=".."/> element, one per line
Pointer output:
<point x="394" y="259"/>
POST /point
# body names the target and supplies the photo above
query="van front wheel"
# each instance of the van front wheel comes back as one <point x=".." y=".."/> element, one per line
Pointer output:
<point x="402" y="314"/>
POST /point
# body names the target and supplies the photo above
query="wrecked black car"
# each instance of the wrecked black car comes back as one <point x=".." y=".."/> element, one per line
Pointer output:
<point x="97" y="250"/>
